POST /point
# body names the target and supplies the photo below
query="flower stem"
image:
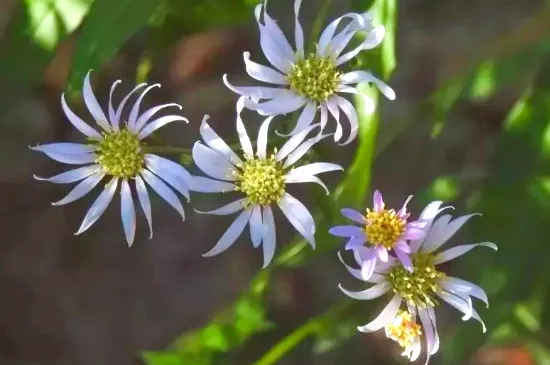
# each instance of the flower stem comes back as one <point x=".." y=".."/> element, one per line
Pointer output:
<point x="167" y="149"/>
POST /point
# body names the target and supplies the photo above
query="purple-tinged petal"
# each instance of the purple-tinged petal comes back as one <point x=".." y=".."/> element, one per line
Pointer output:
<point x="457" y="251"/>
<point x="98" y="207"/>
<point x="387" y="314"/>
<point x="231" y="234"/>
<point x="367" y="268"/>
<point x="377" y="201"/>
<point x="382" y="253"/>
<point x="368" y="294"/>
<point x="355" y="242"/>
<point x="353" y="215"/>
<point x="413" y="233"/>
<point x="270" y="236"/>
<point x="428" y="331"/>
<point x="346" y="231"/>
<point x="403" y="247"/>
<point x="77" y="122"/>
<point x="356" y="273"/>
<point x="402" y="213"/>
<point x="405" y="259"/>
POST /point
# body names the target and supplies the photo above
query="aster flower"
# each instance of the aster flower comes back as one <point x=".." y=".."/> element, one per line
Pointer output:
<point x="116" y="153"/>
<point x="422" y="288"/>
<point x="382" y="230"/>
<point x="261" y="179"/>
<point x="311" y="81"/>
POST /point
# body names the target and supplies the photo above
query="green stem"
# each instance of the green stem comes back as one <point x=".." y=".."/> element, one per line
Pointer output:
<point x="167" y="149"/>
<point x="298" y="335"/>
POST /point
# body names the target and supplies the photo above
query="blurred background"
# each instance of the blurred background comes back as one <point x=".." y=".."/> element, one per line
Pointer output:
<point x="470" y="126"/>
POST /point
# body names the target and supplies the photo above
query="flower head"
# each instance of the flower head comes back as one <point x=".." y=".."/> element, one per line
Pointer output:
<point x="261" y="179"/>
<point x="117" y="153"/>
<point x="311" y="81"/>
<point x="423" y="288"/>
<point x="382" y="230"/>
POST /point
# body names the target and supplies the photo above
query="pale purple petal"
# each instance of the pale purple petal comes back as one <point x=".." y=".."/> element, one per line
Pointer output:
<point x="261" y="148"/>
<point x="355" y="77"/>
<point x="444" y="232"/>
<point x="78" y="123"/>
<point x="346" y="231"/>
<point x="435" y="347"/>
<point x="334" y="109"/>
<point x="122" y="104"/>
<point x="83" y="188"/>
<point x="263" y="73"/>
<point x="169" y="174"/>
<point x="387" y="315"/>
<point x="241" y="130"/>
<point x="231" y="235"/>
<point x="158" y="123"/>
<point x="270" y="236"/>
<point x="298" y="215"/>
<point x="71" y="175"/>
<point x="293" y="179"/>
<point x="145" y="202"/>
<point x="254" y="92"/>
<point x="404" y="258"/>
<point x="428" y="331"/>
<point x="367" y="268"/>
<point x="257" y="228"/>
<point x="413" y="233"/>
<point x="205" y="185"/>
<point x="373" y="292"/>
<point x="134" y="112"/>
<point x="112" y="113"/>
<point x="293" y="142"/>
<point x="298" y="31"/>
<point x="163" y="191"/>
<point x="99" y="206"/>
<point x="161" y="163"/>
<point x="353" y="215"/>
<point x="373" y="39"/>
<point x="349" y="111"/>
<point x="127" y="212"/>
<point x="403" y="247"/>
<point x="149" y="113"/>
<point x="286" y="102"/>
<point x="212" y="163"/>
<point x="457" y="251"/>
<point x="215" y="142"/>
<point x="462" y="303"/>
<point x="304" y="120"/>
<point x="382" y="253"/>
<point x="377" y="201"/>
<point x="453" y="284"/>
<point x="68" y="158"/>
<point x="402" y="213"/>
<point x="355" y="272"/>
<point x="65" y="148"/>
<point x="315" y="168"/>
<point x="302" y="149"/>
<point x="92" y="104"/>
<point x="230" y="208"/>
<point x="273" y="32"/>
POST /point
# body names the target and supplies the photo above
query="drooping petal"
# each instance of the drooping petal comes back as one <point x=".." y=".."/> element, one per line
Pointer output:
<point x="293" y="142"/>
<point x="457" y="251"/>
<point x="263" y="73"/>
<point x="315" y="168"/>
<point x="306" y="179"/>
<point x="367" y="267"/>
<point x="356" y="273"/>
<point x="212" y="163"/>
<point x="145" y="202"/>
<point x="428" y="331"/>
<point x="387" y="314"/>
<point x="205" y="185"/>
<point x="72" y="158"/>
<point x="99" y="206"/>
<point x="355" y="77"/>
<point x="368" y="294"/>
<point x="356" y="242"/>
<point x="257" y="228"/>
<point x="475" y="315"/>
<point x="350" y="112"/>
<point x="346" y="231"/>
<point x="460" y="301"/>
<point x="435" y="346"/>
<point x="134" y="112"/>
<point x="270" y="236"/>
<point x="328" y="33"/>
<point x="122" y="104"/>
<point x="83" y="188"/>
<point x="404" y="258"/>
<point x="65" y="148"/>
<point x="453" y="284"/>
<point x="334" y="109"/>
<point x="158" y="123"/>
<point x="373" y="39"/>
<point x="163" y="191"/>
<point x="71" y="175"/>
<point x="230" y="208"/>
<point x="214" y="141"/>
<point x="241" y="130"/>
<point x="92" y="104"/>
<point x="262" y="138"/>
<point x="378" y="201"/>
<point x="299" y="216"/>
<point x="127" y="212"/>
<point x="149" y="113"/>
<point x="231" y="235"/>
<point x="78" y="123"/>
<point x="286" y="102"/>
<point x="427" y="216"/>
<point x="255" y="93"/>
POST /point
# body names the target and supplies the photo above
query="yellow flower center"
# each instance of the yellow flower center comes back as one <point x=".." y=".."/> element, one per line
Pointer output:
<point x="417" y="287"/>
<point x="403" y="329"/>
<point x="261" y="180"/>
<point x="314" y="77"/>
<point x="120" y="154"/>
<point x="384" y="227"/>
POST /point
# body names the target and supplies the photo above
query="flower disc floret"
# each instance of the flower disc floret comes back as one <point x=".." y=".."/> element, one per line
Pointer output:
<point x="314" y="77"/>
<point x="384" y="227"/>
<point x="418" y="287"/>
<point x="261" y="180"/>
<point x="403" y="329"/>
<point x="120" y="154"/>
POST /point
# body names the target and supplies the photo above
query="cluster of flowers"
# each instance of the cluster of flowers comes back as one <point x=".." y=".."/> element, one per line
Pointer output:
<point x="115" y="153"/>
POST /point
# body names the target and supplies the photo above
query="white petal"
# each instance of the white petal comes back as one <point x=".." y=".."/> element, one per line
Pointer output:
<point x="373" y="292"/>
<point x="428" y="215"/>
<point x="83" y="188"/>
<point x="98" y="207"/>
<point x="65" y="148"/>
<point x="231" y="235"/>
<point x="460" y="301"/>
<point x="372" y="40"/>
<point x="92" y="104"/>
<point x="305" y="119"/>
<point x="163" y="191"/>
<point x="212" y="163"/>
<point x="324" y="117"/>
<point x="162" y="163"/>
<point x="350" y="112"/>
<point x="173" y="180"/>
<point x="457" y="251"/>
<point x="334" y="109"/>
<point x="149" y="113"/>
<point x="270" y="236"/>
<point x="293" y="142"/>
<point x="72" y="175"/>
<point x="306" y="179"/>
<point x="127" y="212"/>
<point x="368" y="106"/>
<point x="158" y="123"/>
<point x="205" y="185"/>
<point x="241" y="130"/>
<point x="328" y="33"/>
<point x="428" y="331"/>
<point x="355" y="272"/>
<point x="458" y="285"/>
<point x="134" y="112"/>
<point x="476" y="316"/>
<point x="356" y="77"/>
<point x="302" y="149"/>
<point x="387" y="315"/>
<point x="263" y="73"/>
<point x="214" y="141"/>
<point x="435" y="346"/>
<point x="112" y="113"/>
<point x="68" y="158"/>
<point x="145" y="202"/>
<point x="124" y="101"/>
<point x="78" y="123"/>
<point x="262" y="138"/>
<point x="254" y="92"/>
<point x="444" y="233"/>
<point x="315" y="168"/>
<point x="257" y="228"/>
<point x="273" y="32"/>
<point x="298" y="31"/>
<point x="299" y="217"/>
<point x="286" y="102"/>
<point x="227" y="209"/>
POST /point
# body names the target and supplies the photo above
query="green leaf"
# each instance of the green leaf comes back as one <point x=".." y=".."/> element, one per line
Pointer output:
<point x="107" y="27"/>
<point x="162" y="358"/>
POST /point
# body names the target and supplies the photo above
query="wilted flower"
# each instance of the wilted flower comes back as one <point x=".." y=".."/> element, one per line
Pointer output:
<point x="117" y="153"/>
<point x="422" y="288"/>
<point x="311" y="80"/>
<point x="261" y="179"/>
<point x="383" y="230"/>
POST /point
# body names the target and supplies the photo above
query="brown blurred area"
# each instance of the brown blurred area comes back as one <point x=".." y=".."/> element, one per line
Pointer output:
<point x="91" y="300"/>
